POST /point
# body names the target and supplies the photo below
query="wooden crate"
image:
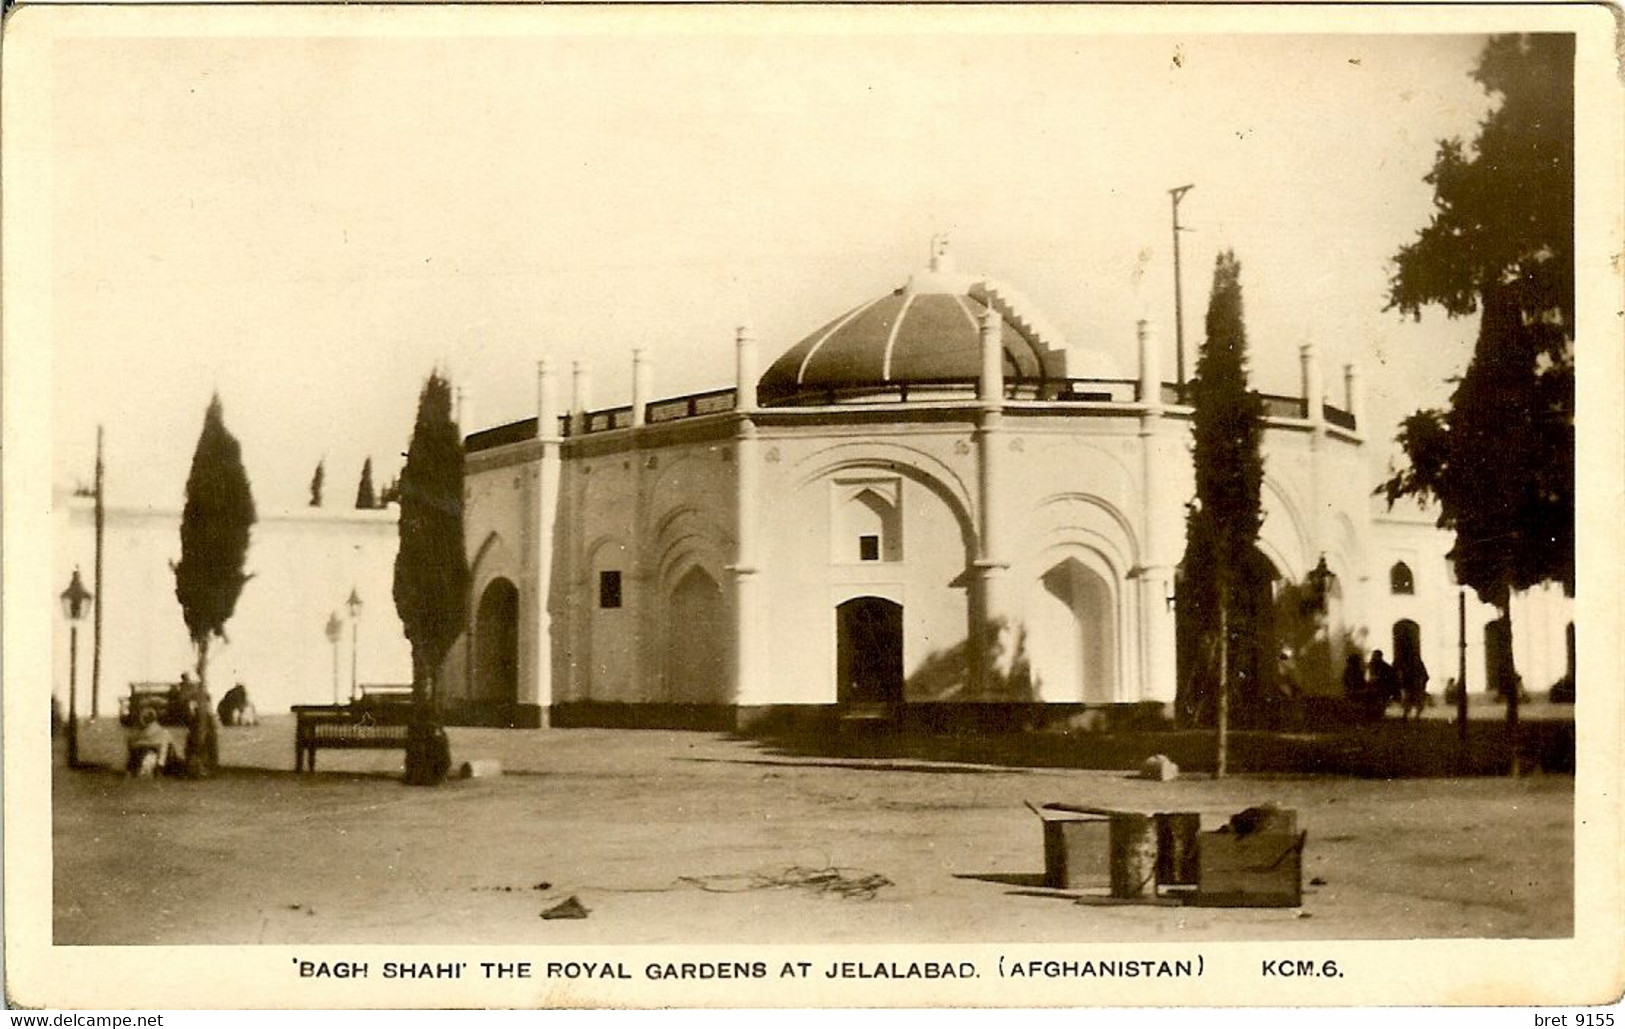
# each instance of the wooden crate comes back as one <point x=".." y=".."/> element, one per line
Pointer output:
<point x="1257" y="870"/>
<point x="1077" y="851"/>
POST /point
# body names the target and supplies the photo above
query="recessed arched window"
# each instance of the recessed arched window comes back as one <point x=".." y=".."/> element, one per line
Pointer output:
<point x="1400" y="579"/>
<point x="868" y="526"/>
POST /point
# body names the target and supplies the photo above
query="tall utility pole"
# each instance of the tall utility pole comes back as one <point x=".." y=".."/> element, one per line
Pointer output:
<point x="1176" y="195"/>
<point x="96" y="625"/>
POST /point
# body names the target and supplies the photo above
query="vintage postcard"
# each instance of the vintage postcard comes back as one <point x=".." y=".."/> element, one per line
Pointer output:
<point x="621" y="506"/>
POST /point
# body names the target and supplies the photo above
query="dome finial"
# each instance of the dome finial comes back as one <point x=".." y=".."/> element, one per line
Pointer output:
<point x="941" y="260"/>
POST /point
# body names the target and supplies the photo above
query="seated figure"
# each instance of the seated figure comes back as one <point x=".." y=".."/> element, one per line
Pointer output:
<point x="150" y="748"/>
<point x="236" y="709"/>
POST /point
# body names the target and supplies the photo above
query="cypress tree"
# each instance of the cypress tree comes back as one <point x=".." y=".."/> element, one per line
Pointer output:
<point x="1222" y="527"/>
<point x="316" y="481"/>
<point x="431" y="567"/>
<point x="365" y="499"/>
<point x="209" y="577"/>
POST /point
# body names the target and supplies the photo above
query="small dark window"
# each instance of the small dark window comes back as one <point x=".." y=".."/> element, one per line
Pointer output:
<point x="869" y="548"/>
<point x="609" y="589"/>
<point x="1400" y="579"/>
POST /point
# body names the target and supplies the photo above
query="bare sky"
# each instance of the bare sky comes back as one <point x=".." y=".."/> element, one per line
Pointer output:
<point x="309" y="223"/>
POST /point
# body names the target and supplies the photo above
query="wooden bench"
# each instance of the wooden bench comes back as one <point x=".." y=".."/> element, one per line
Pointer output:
<point x="364" y="725"/>
<point x="385" y="693"/>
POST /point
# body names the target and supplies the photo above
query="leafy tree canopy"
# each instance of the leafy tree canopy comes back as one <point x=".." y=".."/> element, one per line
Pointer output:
<point x="1500" y="459"/>
<point x="1503" y="207"/>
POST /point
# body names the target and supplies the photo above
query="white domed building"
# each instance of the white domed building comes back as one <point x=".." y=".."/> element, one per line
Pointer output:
<point x="931" y="503"/>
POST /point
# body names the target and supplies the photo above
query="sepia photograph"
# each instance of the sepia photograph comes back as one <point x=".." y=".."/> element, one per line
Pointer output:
<point x="752" y="505"/>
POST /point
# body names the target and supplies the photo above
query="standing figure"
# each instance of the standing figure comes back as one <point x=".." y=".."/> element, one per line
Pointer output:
<point x="1354" y="680"/>
<point x="1382" y="684"/>
<point x="1413" y="685"/>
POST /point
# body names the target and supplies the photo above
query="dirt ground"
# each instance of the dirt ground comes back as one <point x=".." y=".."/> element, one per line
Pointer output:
<point x="687" y="837"/>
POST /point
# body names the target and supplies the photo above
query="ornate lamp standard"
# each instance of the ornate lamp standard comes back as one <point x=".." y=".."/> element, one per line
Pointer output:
<point x="354" y="604"/>
<point x="335" y="631"/>
<point x="75" y="605"/>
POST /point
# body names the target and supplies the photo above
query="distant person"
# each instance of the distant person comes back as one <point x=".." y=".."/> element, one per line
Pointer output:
<point x="236" y="709"/>
<point x="150" y="747"/>
<point x="1382" y="685"/>
<point x="1354" y="681"/>
<point x="1413" y="685"/>
<point x="1287" y="693"/>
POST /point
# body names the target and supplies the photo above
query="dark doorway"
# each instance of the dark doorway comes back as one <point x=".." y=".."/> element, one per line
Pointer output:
<point x="869" y="652"/>
<point x="496" y="645"/>
<point x="1407" y="643"/>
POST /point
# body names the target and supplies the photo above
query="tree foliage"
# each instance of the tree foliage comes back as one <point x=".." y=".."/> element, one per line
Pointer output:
<point x="1504" y="207"/>
<point x="1219" y="594"/>
<point x="431" y="567"/>
<point x="215" y="526"/>
<point x="316" y="480"/>
<point x="365" y="498"/>
<point x="1228" y="428"/>
<point x="1500" y="459"/>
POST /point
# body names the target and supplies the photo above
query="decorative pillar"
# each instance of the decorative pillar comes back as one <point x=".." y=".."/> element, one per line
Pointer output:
<point x="744" y="370"/>
<point x="1150" y="389"/>
<point x="1156" y="572"/>
<point x="580" y="398"/>
<point x="640" y="600"/>
<point x="641" y="375"/>
<point x="1315" y="411"/>
<point x="547" y="402"/>
<point x="992" y="564"/>
<point x="1352" y="399"/>
<point x="748" y="670"/>
<point x="539" y="650"/>
<point x="1309" y="367"/>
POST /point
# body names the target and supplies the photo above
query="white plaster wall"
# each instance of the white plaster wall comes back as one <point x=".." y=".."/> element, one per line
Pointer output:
<point x="803" y="470"/>
<point x="304" y="563"/>
<point x="652" y="508"/>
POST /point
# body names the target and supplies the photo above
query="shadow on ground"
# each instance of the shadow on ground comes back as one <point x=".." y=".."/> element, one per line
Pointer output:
<point x="1386" y="750"/>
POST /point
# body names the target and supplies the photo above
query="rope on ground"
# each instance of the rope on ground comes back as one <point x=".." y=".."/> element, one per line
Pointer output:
<point x="846" y="883"/>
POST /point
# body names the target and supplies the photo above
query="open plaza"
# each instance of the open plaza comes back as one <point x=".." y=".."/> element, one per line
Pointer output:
<point x="700" y="837"/>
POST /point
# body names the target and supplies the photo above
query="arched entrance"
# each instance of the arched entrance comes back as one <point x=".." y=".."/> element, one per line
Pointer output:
<point x="496" y="645"/>
<point x="695" y="665"/>
<point x="869" y="651"/>
<point x="1072" y="639"/>
<point x="1407" y="643"/>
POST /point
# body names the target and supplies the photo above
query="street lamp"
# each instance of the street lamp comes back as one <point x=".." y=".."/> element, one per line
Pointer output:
<point x="1321" y="579"/>
<point x="335" y="630"/>
<point x="75" y="605"/>
<point x="354" y="604"/>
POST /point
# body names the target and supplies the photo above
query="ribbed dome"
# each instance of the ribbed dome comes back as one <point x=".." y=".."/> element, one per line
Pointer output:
<point x="926" y="330"/>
